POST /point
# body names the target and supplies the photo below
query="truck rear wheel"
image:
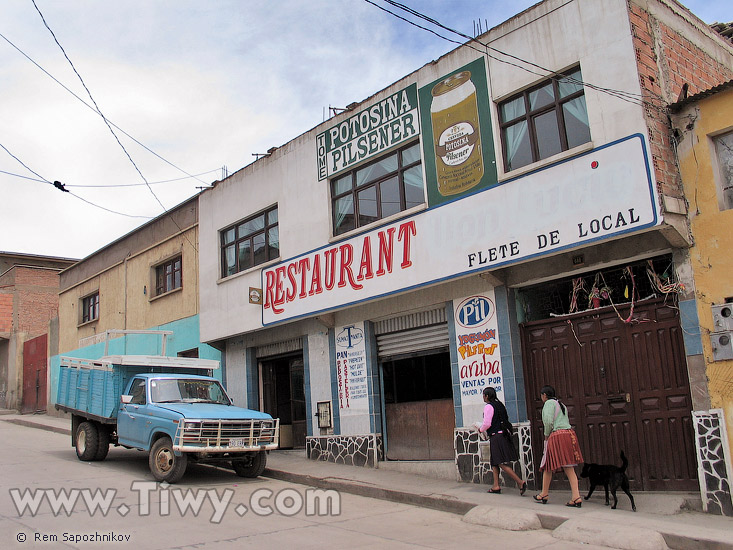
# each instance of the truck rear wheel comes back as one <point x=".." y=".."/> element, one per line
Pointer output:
<point x="251" y="466"/>
<point x="163" y="462"/>
<point x="102" y="443"/>
<point x="86" y="441"/>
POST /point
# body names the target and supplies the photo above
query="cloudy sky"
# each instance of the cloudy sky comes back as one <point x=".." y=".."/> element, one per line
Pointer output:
<point x="188" y="87"/>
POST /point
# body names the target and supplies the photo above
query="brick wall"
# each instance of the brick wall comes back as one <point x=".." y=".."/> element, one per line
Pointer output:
<point x="38" y="299"/>
<point x="6" y="312"/>
<point x="667" y="61"/>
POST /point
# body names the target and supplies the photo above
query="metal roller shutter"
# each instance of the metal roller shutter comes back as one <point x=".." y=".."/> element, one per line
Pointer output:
<point x="413" y="333"/>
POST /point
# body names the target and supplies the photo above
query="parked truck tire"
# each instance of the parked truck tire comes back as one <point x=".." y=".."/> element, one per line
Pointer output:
<point x="86" y="441"/>
<point x="252" y="466"/>
<point x="163" y="462"/>
<point x="102" y="443"/>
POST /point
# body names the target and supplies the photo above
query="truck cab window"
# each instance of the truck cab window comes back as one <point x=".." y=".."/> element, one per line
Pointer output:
<point x="138" y="392"/>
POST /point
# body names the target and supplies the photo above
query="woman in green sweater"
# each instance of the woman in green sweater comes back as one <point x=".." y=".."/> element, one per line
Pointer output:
<point x="562" y="451"/>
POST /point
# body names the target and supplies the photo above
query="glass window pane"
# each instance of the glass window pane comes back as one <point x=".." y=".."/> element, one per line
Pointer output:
<point x="414" y="193"/>
<point x="548" y="135"/>
<point x="541" y="97"/>
<point x="343" y="215"/>
<point x="576" y="122"/>
<point x="570" y="84"/>
<point x="367" y="205"/>
<point x="177" y="280"/>
<point x="273" y="238"/>
<point x="411" y="154"/>
<point x="389" y="191"/>
<point x="518" y="147"/>
<point x="272" y="217"/>
<point x="245" y="255"/>
<point x="341" y="185"/>
<point x="252" y="226"/>
<point x="229" y="236"/>
<point x="512" y="109"/>
<point x="260" y="251"/>
<point x="376" y="170"/>
<point x="230" y="260"/>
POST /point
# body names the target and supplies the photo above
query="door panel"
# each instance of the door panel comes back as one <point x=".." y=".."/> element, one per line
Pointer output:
<point x="34" y="375"/>
<point x="626" y="388"/>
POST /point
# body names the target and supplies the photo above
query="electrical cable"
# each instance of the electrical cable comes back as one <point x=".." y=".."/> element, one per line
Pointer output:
<point x="92" y="108"/>
<point x="60" y="186"/>
<point x="111" y="185"/>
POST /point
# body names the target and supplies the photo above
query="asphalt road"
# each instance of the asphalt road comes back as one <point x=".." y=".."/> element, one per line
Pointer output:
<point x="49" y="499"/>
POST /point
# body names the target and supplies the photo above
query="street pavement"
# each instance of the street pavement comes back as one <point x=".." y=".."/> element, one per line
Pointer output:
<point x="663" y="520"/>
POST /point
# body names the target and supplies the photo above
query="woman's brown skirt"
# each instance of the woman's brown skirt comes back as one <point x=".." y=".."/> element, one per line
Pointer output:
<point x="562" y="450"/>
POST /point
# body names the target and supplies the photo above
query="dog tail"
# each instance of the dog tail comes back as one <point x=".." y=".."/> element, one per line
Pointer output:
<point x="624" y="461"/>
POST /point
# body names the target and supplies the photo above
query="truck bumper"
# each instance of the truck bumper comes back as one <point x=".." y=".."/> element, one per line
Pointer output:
<point x="226" y="436"/>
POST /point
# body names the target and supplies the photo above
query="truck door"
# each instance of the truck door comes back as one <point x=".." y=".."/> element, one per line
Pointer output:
<point x="132" y="418"/>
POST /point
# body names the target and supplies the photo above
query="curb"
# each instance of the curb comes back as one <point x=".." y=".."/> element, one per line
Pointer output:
<point x="442" y="503"/>
<point x="29" y="424"/>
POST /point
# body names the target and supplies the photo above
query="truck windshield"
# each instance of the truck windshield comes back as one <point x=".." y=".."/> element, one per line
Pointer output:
<point x="187" y="391"/>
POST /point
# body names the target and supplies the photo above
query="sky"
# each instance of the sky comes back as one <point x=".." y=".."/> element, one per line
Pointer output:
<point x="188" y="88"/>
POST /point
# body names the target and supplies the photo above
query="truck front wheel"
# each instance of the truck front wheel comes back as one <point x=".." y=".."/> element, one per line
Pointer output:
<point x="86" y="441"/>
<point x="251" y="466"/>
<point x="163" y="462"/>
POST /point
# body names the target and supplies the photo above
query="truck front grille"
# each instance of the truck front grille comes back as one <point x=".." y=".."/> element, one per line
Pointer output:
<point x="227" y="435"/>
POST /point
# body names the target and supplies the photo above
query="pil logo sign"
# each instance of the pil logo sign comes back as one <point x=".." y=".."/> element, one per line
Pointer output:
<point x="349" y="337"/>
<point x="474" y="312"/>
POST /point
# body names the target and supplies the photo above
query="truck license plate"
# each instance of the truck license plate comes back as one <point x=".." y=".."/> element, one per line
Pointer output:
<point x="237" y="442"/>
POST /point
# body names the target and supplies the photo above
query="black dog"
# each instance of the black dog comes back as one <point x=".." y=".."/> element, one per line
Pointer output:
<point x="611" y="476"/>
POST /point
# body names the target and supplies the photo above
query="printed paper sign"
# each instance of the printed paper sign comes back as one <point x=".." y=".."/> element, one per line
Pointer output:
<point x="351" y="370"/>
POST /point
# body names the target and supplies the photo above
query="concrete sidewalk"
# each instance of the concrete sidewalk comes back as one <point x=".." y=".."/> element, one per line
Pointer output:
<point x="663" y="520"/>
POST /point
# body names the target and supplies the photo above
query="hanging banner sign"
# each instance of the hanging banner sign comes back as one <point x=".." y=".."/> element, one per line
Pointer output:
<point x="479" y="356"/>
<point x="368" y="133"/>
<point x="600" y="194"/>
<point x="351" y="370"/>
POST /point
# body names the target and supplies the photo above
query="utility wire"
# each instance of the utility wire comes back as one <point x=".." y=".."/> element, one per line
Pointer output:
<point x="61" y="187"/>
<point x="112" y="185"/>
<point x="92" y="108"/>
<point x="620" y="94"/>
<point x="165" y="210"/>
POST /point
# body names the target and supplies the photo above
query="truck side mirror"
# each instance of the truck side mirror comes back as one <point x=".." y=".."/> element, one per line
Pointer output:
<point x="125" y="399"/>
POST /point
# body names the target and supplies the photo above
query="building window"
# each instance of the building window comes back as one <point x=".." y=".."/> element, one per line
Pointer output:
<point x="724" y="152"/>
<point x="544" y="120"/>
<point x="168" y="276"/>
<point x="384" y="187"/>
<point x="251" y="242"/>
<point x="90" y="308"/>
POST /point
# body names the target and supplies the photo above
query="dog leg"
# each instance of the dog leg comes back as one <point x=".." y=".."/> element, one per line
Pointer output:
<point x="615" y="499"/>
<point x="625" y="487"/>
<point x="592" y="488"/>
<point x="606" y="488"/>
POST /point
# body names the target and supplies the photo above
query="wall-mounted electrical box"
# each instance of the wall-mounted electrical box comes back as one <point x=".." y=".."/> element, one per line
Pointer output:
<point x="722" y="344"/>
<point x="722" y="317"/>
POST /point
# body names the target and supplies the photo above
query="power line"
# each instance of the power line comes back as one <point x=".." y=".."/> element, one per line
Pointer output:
<point x="620" y="94"/>
<point x="92" y="108"/>
<point x="60" y="186"/>
<point x="112" y="185"/>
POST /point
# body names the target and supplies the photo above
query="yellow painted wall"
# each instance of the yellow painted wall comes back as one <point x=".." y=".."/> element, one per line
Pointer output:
<point x="712" y="229"/>
<point x="126" y="293"/>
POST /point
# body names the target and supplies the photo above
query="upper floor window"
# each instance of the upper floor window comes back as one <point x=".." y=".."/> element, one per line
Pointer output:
<point x="724" y="153"/>
<point x="251" y="242"/>
<point x="168" y="276"/>
<point x="544" y="120"/>
<point x="90" y="308"/>
<point x="384" y="187"/>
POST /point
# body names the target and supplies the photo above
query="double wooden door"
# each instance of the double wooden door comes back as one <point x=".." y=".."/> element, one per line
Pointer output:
<point x="626" y="386"/>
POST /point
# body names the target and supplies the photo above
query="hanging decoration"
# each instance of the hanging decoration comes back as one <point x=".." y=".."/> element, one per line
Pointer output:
<point x="578" y="287"/>
<point x="598" y="292"/>
<point x="667" y="287"/>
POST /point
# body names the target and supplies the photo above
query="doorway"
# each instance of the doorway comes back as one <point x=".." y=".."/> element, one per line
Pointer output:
<point x="34" y="375"/>
<point x="283" y="397"/>
<point x="418" y="401"/>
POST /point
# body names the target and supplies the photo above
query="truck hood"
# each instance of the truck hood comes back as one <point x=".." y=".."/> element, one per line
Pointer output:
<point x="210" y="411"/>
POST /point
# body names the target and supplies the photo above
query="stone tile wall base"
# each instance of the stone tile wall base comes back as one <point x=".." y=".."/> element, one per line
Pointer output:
<point x="473" y="465"/>
<point x="713" y="463"/>
<point x="354" y="450"/>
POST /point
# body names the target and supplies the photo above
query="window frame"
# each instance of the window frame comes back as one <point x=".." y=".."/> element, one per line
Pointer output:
<point x="376" y="183"/>
<point x="160" y="274"/>
<point x="529" y="116"/>
<point x="268" y="226"/>
<point x="89" y="307"/>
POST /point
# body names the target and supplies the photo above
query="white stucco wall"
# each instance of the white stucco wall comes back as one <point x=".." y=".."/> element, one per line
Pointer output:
<point x="555" y="35"/>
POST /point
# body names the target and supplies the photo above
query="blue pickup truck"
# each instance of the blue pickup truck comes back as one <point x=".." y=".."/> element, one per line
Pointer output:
<point x="169" y="406"/>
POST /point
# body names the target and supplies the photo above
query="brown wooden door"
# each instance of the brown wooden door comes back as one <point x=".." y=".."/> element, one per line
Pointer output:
<point x="625" y="385"/>
<point x="34" y="375"/>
